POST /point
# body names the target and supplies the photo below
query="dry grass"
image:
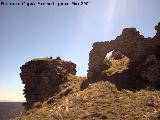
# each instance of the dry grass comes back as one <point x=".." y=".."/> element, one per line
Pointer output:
<point x="118" y="66"/>
<point x="100" y="100"/>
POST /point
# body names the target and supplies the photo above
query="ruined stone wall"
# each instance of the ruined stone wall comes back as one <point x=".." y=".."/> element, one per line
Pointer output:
<point x="42" y="77"/>
<point x="129" y="43"/>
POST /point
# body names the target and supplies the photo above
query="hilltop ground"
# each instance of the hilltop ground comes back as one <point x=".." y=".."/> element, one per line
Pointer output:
<point x="99" y="101"/>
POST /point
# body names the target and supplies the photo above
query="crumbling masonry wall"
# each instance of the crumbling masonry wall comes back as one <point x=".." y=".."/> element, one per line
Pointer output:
<point x="42" y="77"/>
<point x="129" y="43"/>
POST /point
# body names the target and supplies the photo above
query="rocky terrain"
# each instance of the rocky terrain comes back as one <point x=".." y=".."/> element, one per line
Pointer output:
<point x="124" y="86"/>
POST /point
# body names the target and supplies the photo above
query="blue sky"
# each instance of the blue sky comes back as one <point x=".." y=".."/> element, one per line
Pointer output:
<point x="65" y="31"/>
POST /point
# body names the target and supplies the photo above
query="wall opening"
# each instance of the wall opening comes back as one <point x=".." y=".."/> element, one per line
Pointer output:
<point x="109" y="54"/>
<point x="114" y="63"/>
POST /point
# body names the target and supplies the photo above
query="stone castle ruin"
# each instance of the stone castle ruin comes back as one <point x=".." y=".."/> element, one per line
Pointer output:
<point x="130" y="43"/>
<point x="42" y="77"/>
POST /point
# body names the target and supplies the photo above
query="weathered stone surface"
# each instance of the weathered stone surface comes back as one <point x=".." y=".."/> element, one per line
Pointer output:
<point x="42" y="77"/>
<point x="116" y="55"/>
<point x="150" y="70"/>
<point x="130" y="43"/>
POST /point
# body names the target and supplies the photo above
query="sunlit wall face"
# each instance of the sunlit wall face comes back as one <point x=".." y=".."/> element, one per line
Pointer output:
<point x="69" y="32"/>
